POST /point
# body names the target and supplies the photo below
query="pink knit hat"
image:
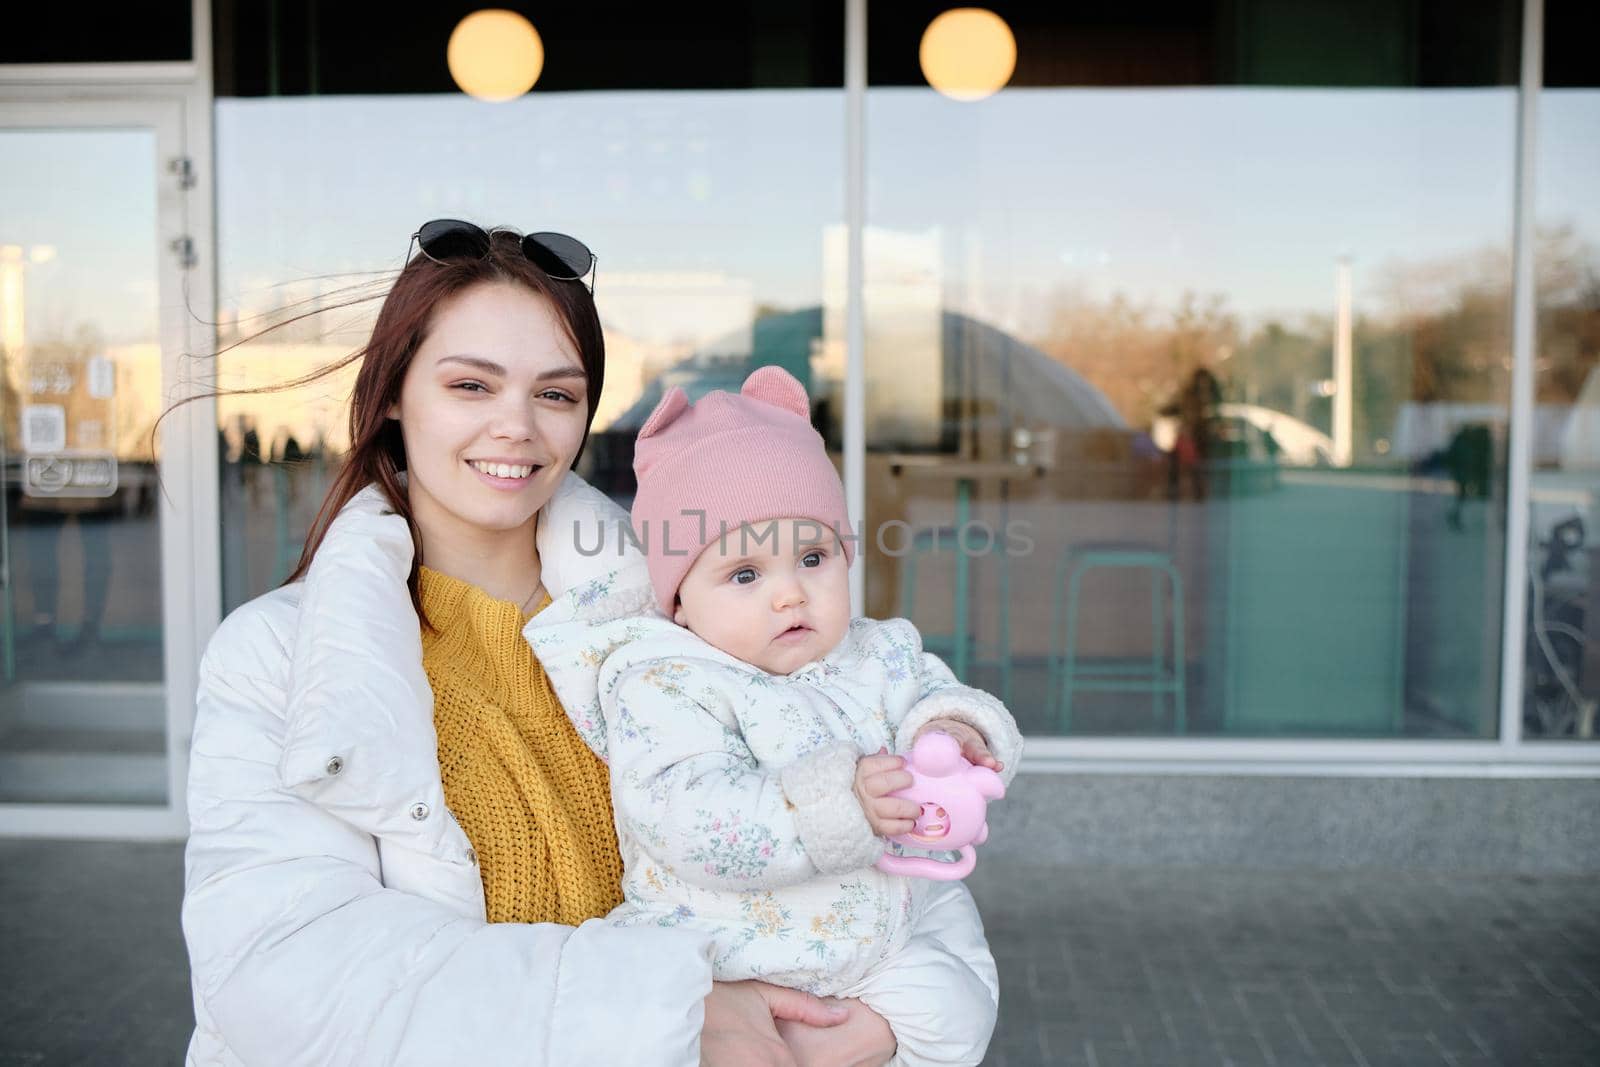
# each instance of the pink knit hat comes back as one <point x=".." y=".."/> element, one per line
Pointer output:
<point x="740" y="458"/>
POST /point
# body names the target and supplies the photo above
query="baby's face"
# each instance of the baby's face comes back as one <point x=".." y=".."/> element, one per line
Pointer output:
<point x="775" y="594"/>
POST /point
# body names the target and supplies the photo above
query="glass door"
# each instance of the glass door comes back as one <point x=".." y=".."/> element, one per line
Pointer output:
<point x="90" y="306"/>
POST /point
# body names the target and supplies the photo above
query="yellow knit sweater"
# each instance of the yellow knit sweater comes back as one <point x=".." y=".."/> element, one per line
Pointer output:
<point x="532" y="798"/>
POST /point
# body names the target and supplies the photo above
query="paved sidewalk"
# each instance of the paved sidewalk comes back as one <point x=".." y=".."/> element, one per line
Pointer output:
<point x="1099" y="966"/>
<point x="1235" y="966"/>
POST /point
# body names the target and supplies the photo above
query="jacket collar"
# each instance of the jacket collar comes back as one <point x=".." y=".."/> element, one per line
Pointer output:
<point x="592" y="567"/>
<point x="359" y="737"/>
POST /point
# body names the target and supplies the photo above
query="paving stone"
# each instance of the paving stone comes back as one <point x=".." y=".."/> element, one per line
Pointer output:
<point x="1102" y="966"/>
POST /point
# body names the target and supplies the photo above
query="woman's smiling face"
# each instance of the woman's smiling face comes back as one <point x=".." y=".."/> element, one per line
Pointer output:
<point x="493" y="409"/>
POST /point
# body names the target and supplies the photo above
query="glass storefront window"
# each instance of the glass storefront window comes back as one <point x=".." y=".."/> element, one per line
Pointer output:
<point x="1187" y="350"/>
<point x="701" y="159"/>
<point x="1561" y="682"/>
<point x="83" y="714"/>
<point x="1188" y="360"/>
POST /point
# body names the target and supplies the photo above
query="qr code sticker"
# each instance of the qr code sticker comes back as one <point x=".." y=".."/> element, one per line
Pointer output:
<point x="44" y="427"/>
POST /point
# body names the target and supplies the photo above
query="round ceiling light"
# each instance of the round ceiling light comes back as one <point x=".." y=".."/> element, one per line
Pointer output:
<point x="495" y="55"/>
<point x="968" y="53"/>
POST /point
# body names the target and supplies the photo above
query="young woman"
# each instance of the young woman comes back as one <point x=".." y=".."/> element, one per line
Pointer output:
<point x="397" y="840"/>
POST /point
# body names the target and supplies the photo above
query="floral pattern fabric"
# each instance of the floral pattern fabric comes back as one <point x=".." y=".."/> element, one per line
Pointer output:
<point x="695" y="740"/>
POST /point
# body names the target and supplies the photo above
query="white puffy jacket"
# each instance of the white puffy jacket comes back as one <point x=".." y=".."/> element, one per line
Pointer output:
<point x="333" y="909"/>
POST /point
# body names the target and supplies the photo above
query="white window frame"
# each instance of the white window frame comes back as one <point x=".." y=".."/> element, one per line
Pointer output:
<point x="175" y="100"/>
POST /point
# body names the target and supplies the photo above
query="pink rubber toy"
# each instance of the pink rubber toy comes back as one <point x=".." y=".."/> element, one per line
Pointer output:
<point x="954" y="796"/>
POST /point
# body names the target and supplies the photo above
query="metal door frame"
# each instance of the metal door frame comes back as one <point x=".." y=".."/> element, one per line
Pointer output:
<point x="187" y="504"/>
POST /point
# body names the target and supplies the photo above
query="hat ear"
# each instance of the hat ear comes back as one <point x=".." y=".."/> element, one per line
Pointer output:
<point x="674" y="404"/>
<point x="776" y="386"/>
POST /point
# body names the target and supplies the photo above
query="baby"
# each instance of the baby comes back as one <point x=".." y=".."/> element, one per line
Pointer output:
<point x="748" y="728"/>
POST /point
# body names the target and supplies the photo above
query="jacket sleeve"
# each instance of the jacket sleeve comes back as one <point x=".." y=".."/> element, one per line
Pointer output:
<point x="941" y="696"/>
<point x="299" y="953"/>
<point x="686" y="786"/>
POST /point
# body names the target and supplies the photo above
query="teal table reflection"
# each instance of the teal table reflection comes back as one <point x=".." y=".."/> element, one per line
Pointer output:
<point x="962" y="476"/>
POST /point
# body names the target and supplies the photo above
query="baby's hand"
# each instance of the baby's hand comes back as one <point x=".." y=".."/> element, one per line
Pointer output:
<point x="973" y="744"/>
<point x="877" y="777"/>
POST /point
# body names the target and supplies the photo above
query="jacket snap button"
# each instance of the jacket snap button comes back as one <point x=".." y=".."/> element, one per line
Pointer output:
<point x="419" y="811"/>
<point x="472" y="857"/>
<point x="335" y="765"/>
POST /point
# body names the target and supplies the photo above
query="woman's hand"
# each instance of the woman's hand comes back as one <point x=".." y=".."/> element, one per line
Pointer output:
<point x="740" y="1025"/>
<point x="863" y="1040"/>
<point x="974" y="746"/>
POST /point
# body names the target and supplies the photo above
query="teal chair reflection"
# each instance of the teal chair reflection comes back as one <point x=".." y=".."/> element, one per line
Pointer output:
<point x="1070" y="674"/>
<point x="959" y="647"/>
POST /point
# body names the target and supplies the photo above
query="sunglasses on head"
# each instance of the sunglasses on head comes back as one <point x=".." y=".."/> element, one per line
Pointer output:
<point x="563" y="258"/>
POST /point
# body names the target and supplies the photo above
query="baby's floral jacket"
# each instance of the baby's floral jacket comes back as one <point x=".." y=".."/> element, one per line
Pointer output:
<point x="733" y="787"/>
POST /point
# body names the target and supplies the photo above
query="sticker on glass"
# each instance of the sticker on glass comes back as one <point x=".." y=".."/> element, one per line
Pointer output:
<point x="102" y="377"/>
<point x="70" y="476"/>
<point x="44" y="427"/>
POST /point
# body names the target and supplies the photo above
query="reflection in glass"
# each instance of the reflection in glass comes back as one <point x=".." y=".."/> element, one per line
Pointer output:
<point x="708" y="211"/>
<point x="1561" y="685"/>
<point x="1209" y="371"/>
<point x="1236" y="359"/>
<point x="82" y="712"/>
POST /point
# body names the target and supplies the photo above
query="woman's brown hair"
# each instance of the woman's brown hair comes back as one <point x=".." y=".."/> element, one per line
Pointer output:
<point x="377" y="453"/>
